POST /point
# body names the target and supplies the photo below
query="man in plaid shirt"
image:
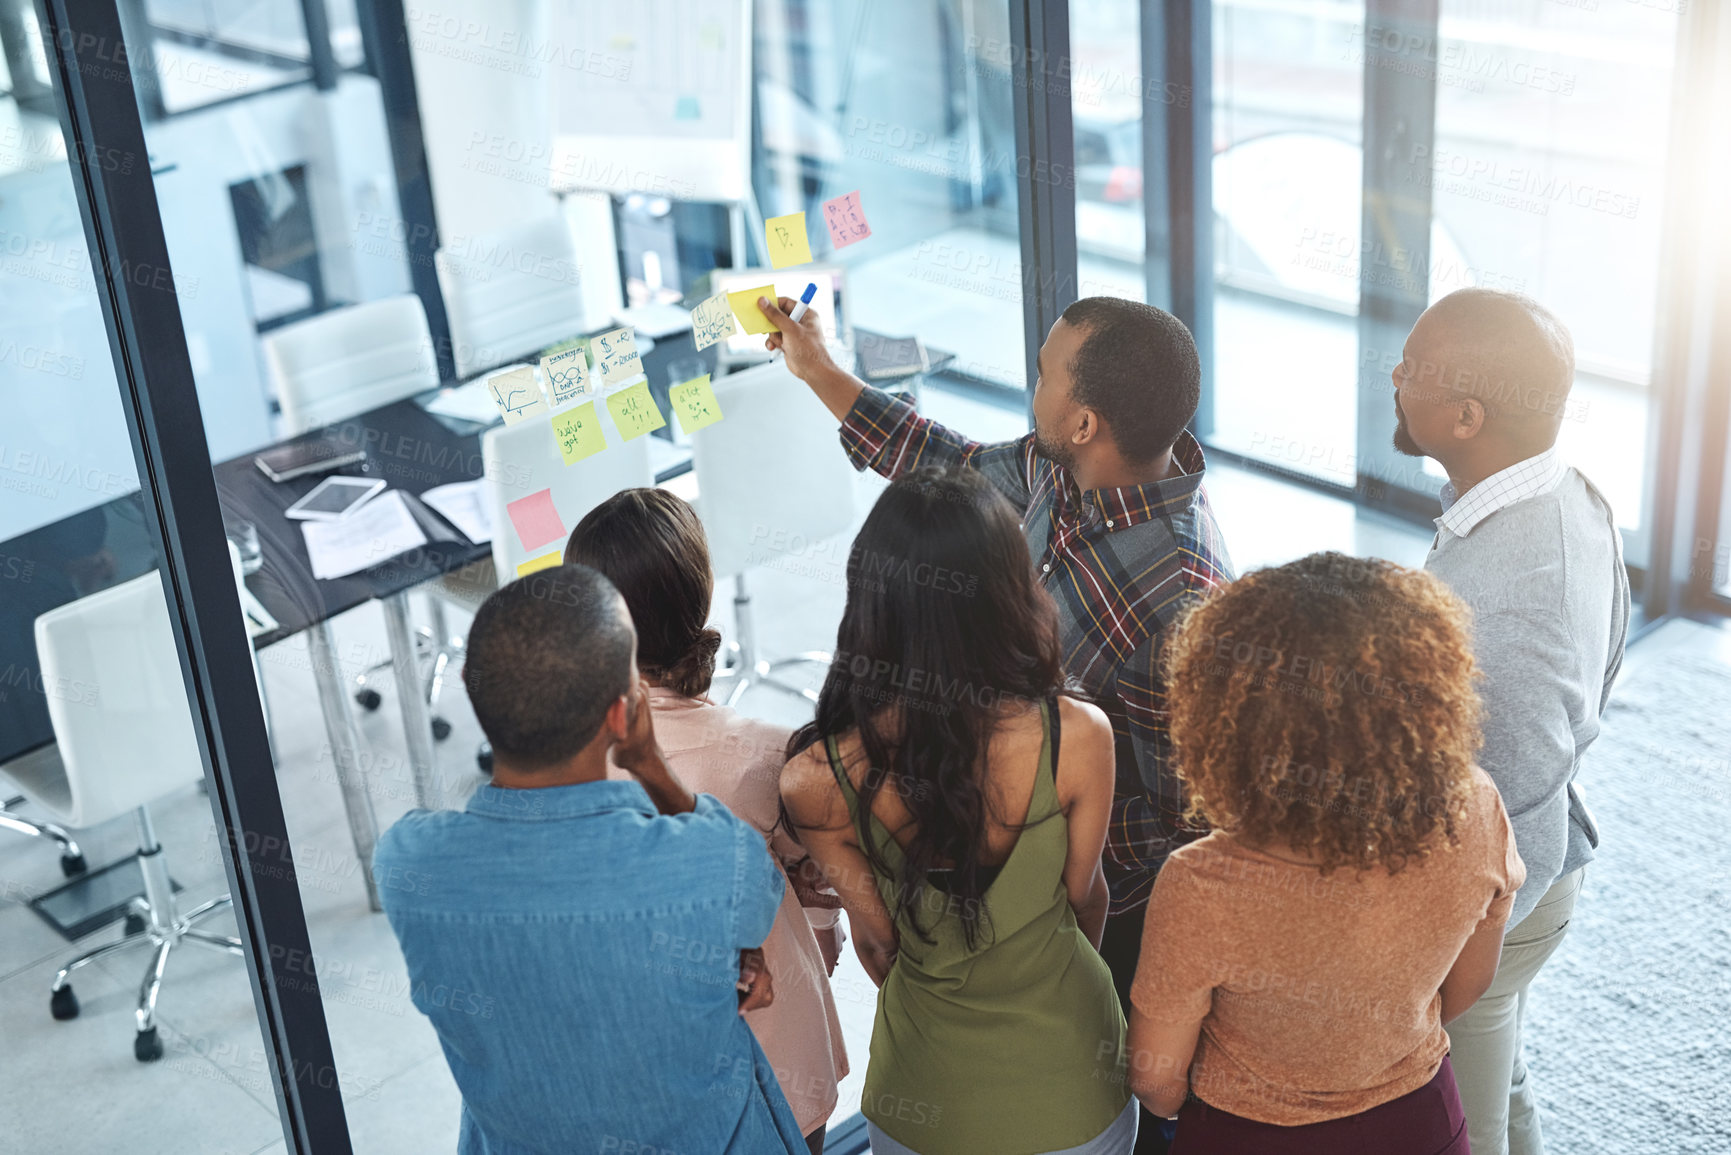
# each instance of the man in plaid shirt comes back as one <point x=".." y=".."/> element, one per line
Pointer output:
<point x="1109" y="486"/>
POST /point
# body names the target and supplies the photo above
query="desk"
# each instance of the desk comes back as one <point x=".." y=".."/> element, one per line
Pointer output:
<point x="413" y="452"/>
<point x="108" y="544"/>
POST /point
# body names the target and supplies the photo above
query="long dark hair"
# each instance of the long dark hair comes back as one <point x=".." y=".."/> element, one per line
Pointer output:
<point x="944" y="623"/>
<point x="651" y="546"/>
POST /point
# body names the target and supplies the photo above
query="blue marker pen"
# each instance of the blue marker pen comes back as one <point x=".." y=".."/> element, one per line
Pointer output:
<point x="804" y="301"/>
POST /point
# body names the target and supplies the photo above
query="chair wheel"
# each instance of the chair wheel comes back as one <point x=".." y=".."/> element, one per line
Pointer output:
<point x="146" y="1047"/>
<point x="441" y="729"/>
<point x="484" y="758"/>
<point x="63" y="1004"/>
<point x="135" y="924"/>
<point x="72" y="864"/>
<point x="368" y="699"/>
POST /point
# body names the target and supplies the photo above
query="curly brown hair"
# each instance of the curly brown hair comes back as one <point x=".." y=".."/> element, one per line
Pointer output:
<point x="1327" y="704"/>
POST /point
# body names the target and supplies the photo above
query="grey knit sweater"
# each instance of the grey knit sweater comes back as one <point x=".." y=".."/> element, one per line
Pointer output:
<point x="1550" y="602"/>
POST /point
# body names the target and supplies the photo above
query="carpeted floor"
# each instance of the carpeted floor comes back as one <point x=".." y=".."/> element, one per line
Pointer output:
<point x="1629" y="1026"/>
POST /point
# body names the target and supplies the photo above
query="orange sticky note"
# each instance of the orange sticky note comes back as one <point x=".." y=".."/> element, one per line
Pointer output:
<point x="744" y="306"/>
<point x="788" y="244"/>
<point x="545" y="561"/>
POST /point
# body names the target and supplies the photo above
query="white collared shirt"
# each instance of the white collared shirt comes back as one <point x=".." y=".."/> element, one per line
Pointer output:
<point x="1500" y="490"/>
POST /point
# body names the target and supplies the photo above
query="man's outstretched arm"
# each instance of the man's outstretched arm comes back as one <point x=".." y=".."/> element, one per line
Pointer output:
<point x="883" y="432"/>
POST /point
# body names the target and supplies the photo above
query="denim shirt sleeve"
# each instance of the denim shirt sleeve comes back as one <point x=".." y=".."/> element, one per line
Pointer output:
<point x="757" y="882"/>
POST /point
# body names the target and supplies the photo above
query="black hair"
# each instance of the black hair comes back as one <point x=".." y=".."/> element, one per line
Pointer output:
<point x="547" y="655"/>
<point x="944" y="624"/>
<point x="1137" y="367"/>
<point x="651" y="546"/>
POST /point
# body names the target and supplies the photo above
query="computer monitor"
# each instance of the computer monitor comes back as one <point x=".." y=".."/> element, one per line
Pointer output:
<point x="745" y="348"/>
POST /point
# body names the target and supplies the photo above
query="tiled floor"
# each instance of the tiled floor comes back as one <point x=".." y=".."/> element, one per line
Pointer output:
<point x="74" y="1087"/>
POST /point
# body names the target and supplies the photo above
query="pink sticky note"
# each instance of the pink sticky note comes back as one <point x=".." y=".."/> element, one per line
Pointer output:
<point x="536" y="520"/>
<point x="846" y="220"/>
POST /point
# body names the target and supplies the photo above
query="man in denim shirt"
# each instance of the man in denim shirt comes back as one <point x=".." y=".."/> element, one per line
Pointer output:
<point x="580" y="954"/>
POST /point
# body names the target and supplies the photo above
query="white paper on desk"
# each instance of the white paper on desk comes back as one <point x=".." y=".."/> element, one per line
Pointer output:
<point x="377" y="531"/>
<point x="463" y="504"/>
<point x="469" y="402"/>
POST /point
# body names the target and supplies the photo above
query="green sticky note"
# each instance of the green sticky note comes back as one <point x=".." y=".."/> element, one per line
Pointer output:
<point x="787" y="241"/>
<point x="634" y="411"/>
<point x="744" y="306"/>
<point x="578" y="432"/>
<point x="694" y="404"/>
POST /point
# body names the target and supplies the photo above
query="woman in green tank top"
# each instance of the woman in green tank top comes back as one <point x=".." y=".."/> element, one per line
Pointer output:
<point x="958" y="803"/>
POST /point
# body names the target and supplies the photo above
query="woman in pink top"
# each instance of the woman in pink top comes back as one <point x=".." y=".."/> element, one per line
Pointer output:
<point x="651" y="546"/>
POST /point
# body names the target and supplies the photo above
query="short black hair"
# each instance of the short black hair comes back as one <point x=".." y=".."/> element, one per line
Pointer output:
<point x="547" y="655"/>
<point x="1137" y="367"/>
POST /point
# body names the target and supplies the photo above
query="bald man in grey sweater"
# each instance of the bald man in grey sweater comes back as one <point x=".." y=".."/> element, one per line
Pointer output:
<point x="1533" y="549"/>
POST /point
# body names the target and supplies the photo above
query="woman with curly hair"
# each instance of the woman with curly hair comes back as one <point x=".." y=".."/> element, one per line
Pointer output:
<point x="1300" y="961"/>
<point x="651" y="546"/>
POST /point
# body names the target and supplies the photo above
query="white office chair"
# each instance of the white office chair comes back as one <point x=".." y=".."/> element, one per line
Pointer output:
<point x="511" y="293"/>
<point x="522" y="459"/>
<point x="125" y="737"/>
<point x="770" y="471"/>
<point x="71" y="856"/>
<point x="349" y="360"/>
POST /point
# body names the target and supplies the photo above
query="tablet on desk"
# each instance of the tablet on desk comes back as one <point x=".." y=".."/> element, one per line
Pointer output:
<point x="333" y="497"/>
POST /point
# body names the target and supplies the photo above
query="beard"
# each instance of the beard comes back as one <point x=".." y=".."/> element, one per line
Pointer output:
<point x="1055" y="452"/>
<point x="1403" y="441"/>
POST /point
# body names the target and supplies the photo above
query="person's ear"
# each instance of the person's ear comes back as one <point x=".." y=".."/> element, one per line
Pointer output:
<point x="617" y="723"/>
<point x="1469" y="418"/>
<point x="1087" y="427"/>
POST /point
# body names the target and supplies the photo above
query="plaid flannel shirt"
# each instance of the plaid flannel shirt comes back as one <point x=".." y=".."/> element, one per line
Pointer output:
<point x="1120" y="564"/>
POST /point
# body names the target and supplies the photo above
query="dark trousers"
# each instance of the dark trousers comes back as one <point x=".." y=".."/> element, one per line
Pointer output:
<point x="1121" y="947"/>
<point x="1427" y="1121"/>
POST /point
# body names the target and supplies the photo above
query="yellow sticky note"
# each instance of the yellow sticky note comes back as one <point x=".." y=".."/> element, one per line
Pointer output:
<point x="712" y="321"/>
<point x="616" y="356"/>
<point x="634" y="411"/>
<point x="694" y="403"/>
<point x="545" y="561"/>
<point x="578" y="432"/>
<point x="744" y="306"/>
<point x="787" y="241"/>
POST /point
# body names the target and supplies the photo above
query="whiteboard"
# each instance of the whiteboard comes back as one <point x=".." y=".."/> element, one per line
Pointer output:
<point x="652" y="96"/>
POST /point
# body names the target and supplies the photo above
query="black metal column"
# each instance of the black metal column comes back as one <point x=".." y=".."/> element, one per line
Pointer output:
<point x="1040" y="70"/>
<point x="385" y="32"/>
<point x="1400" y="53"/>
<point x="88" y="57"/>
<point x="1178" y="48"/>
<point x="320" y="54"/>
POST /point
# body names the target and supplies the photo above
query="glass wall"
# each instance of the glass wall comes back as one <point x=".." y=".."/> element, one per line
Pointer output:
<point x="1549" y="168"/>
<point x="95" y="722"/>
<point x="907" y="103"/>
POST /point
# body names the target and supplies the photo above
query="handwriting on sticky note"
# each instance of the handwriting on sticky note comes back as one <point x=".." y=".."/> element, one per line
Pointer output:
<point x="634" y="411"/>
<point x="567" y="376"/>
<point x="535" y="519"/>
<point x="578" y="432"/>
<point x="516" y="394"/>
<point x="616" y="356"/>
<point x="694" y="403"/>
<point x="744" y="306"/>
<point x="787" y="240"/>
<point x="846" y="220"/>
<point x="545" y="561"/>
<point x="712" y="321"/>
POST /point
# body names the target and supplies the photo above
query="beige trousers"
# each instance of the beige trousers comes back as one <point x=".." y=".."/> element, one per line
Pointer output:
<point x="1485" y="1043"/>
